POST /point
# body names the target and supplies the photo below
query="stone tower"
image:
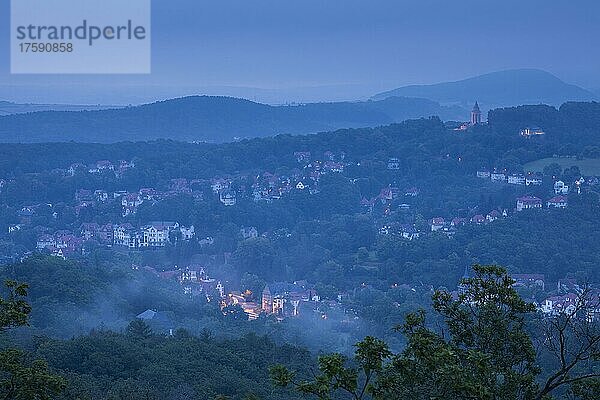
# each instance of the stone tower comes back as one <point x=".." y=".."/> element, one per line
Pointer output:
<point x="476" y="115"/>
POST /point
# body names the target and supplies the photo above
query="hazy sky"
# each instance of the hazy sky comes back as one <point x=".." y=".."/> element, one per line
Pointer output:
<point x="358" y="46"/>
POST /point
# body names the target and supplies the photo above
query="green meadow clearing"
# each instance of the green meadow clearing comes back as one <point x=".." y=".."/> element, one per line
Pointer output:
<point x="590" y="166"/>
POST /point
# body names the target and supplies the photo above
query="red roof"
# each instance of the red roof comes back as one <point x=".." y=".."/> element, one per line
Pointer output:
<point x="478" y="218"/>
<point x="529" y="200"/>
<point x="558" y="199"/>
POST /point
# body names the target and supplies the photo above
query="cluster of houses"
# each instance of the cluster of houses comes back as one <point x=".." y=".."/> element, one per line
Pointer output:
<point x="449" y="226"/>
<point x="533" y="202"/>
<point x="502" y="175"/>
<point x="559" y="200"/>
<point x="100" y="167"/>
<point x="440" y="224"/>
<point x="151" y="235"/>
<point x="569" y="297"/>
<point x="61" y="244"/>
<point x="387" y="196"/>
<point x="283" y="300"/>
<point x="264" y="187"/>
<point x="560" y="188"/>
<point x="280" y="299"/>
<point x="130" y="201"/>
<point x="268" y="187"/>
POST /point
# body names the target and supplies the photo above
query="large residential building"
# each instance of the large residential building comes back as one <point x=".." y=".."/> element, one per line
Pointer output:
<point x="126" y="235"/>
<point x="156" y="234"/>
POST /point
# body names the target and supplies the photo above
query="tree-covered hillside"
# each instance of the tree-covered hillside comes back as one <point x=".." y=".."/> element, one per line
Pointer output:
<point x="211" y="119"/>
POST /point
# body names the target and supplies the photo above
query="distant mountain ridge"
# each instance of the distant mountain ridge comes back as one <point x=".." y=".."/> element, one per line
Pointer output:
<point x="212" y="119"/>
<point x="9" y="108"/>
<point x="498" y="89"/>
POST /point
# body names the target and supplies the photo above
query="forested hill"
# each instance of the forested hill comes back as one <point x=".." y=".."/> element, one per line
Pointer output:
<point x="212" y="119"/>
<point x="423" y="144"/>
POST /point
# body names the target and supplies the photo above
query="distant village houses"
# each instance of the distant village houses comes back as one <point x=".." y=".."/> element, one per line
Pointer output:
<point x="283" y="299"/>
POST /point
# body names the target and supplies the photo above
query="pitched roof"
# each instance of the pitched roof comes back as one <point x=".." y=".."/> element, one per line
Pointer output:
<point x="529" y="199"/>
<point x="558" y="199"/>
<point x="148" y="314"/>
<point x="279" y="288"/>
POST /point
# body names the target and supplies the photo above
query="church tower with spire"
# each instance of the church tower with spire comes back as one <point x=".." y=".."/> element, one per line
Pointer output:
<point x="476" y="115"/>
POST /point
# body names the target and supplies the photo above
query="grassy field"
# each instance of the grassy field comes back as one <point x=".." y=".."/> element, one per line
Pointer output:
<point x="589" y="166"/>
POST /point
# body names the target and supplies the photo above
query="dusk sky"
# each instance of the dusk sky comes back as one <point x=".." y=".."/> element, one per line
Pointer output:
<point x="354" y="47"/>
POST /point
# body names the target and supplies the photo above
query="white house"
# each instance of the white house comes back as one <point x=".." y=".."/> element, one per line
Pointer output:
<point x="300" y="185"/>
<point x="558" y="202"/>
<point x="533" y="180"/>
<point x="498" y="176"/>
<point x="528" y="203"/>
<point x="516" y="179"/>
<point x="130" y="203"/>
<point x="249" y="233"/>
<point x="437" y="224"/>
<point x="125" y="235"/>
<point x="561" y="188"/>
<point x="409" y="232"/>
<point x="529" y="132"/>
<point x="484" y="173"/>
<point x="187" y="233"/>
<point x="14" y="228"/>
<point x="154" y="235"/>
<point x="228" y="197"/>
